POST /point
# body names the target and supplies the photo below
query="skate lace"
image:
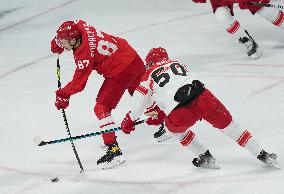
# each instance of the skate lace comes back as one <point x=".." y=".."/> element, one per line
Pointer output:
<point x="114" y="149"/>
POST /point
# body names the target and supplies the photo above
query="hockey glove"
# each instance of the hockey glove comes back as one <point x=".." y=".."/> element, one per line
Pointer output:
<point x="156" y="116"/>
<point x="55" y="48"/>
<point x="62" y="102"/>
<point x="245" y="4"/>
<point x="199" y="1"/>
<point x="127" y="124"/>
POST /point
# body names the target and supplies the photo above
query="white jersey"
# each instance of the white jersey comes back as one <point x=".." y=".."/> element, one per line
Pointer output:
<point x="160" y="84"/>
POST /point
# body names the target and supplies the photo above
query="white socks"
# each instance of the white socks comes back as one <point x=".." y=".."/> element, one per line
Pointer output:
<point x="272" y="15"/>
<point x="189" y="140"/>
<point x="232" y="26"/>
<point x="242" y="137"/>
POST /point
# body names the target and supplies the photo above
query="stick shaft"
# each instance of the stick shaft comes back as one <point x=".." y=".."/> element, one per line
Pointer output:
<point x="65" y="120"/>
<point x="83" y="136"/>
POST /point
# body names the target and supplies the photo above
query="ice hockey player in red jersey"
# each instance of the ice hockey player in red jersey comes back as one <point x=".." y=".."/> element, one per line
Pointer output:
<point x="185" y="100"/>
<point x="110" y="56"/>
<point x="223" y="10"/>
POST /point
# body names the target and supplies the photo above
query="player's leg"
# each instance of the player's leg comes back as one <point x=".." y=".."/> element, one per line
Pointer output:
<point x="245" y="139"/>
<point x="178" y="122"/>
<point x="135" y="70"/>
<point x="107" y="99"/>
<point x="109" y="95"/>
<point x="233" y="27"/>
<point x="203" y="158"/>
<point x="217" y="115"/>
<point x="272" y="15"/>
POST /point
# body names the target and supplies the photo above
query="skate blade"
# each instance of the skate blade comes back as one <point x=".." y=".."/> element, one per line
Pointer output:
<point x="117" y="161"/>
<point x="37" y="140"/>
<point x="273" y="164"/>
<point x="256" y="55"/>
<point x="210" y="166"/>
<point x="164" y="138"/>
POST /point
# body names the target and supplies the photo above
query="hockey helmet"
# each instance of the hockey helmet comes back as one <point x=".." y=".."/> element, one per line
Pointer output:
<point x="68" y="30"/>
<point x="155" y="55"/>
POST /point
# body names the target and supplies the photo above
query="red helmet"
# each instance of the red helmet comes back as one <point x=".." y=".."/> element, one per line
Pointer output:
<point x="68" y="30"/>
<point x="156" y="54"/>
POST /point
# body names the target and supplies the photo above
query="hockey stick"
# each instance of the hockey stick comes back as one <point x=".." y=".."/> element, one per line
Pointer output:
<point x="267" y="5"/>
<point x="249" y="35"/>
<point x="40" y="142"/>
<point x="65" y="120"/>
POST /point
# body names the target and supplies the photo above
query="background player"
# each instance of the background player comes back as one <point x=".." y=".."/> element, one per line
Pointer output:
<point x="224" y="12"/>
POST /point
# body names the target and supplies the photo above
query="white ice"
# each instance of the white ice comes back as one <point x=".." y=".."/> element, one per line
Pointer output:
<point x="252" y="90"/>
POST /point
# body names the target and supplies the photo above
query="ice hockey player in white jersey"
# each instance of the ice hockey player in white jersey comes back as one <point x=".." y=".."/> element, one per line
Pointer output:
<point x="185" y="100"/>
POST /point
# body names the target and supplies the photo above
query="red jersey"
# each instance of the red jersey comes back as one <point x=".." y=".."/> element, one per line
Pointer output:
<point x="107" y="54"/>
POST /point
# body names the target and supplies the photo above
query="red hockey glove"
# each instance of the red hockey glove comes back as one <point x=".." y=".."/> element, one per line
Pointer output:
<point x="156" y="116"/>
<point x="199" y="1"/>
<point x="61" y="102"/>
<point x="55" y="48"/>
<point x="244" y="4"/>
<point x="127" y="124"/>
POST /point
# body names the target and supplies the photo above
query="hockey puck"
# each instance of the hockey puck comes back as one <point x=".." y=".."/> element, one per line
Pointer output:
<point x="55" y="179"/>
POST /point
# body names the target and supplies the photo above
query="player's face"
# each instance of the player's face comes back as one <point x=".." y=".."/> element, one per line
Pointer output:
<point x="67" y="44"/>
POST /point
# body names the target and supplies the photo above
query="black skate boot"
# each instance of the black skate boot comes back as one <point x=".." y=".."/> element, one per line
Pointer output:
<point x="112" y="158"/>
<point x="205" y="160"/>
<point x="268" y="159"/>
<point x="162" y="135"/>
<point x="251" y="46"/>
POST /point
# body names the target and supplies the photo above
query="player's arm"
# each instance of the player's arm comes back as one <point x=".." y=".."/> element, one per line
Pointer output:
<point x="155" y="114"/>
<point x="77" y="84"/>
<point x="141" y="98"/>
<point x="80" y="78"/>
<point x="150" y="109"/>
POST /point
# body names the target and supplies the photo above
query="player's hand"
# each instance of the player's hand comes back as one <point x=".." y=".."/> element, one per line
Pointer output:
<point x="127" y="124"/>
<point x="55" y="48"/>
<point x="61" y="102"/>
<point x="156" y="116"/>
<point x="199" y="1"/>
<point x="244" y="4"/>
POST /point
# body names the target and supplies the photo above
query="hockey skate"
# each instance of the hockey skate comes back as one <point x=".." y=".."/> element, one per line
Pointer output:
<point x="205" y="160"/>
<point x="268" y="159"/>
<point x="112" y="158"/>
<point x="251" y="46"/>
<point x="162" y="134"/>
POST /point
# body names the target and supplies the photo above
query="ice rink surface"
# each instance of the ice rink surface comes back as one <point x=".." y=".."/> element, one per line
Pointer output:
<point x="252" y="90"/>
